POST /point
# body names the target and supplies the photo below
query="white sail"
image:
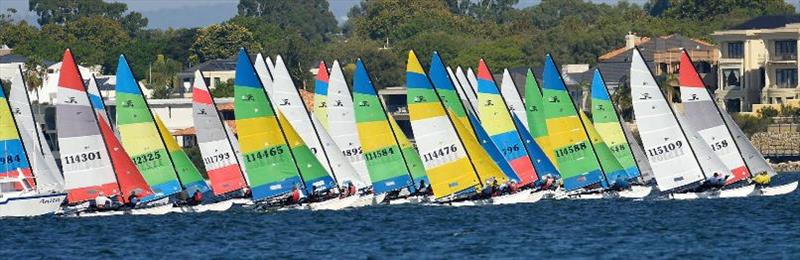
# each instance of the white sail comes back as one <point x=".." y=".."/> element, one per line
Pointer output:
<point x="462" y="93"/>
<point x="513" y="99"/>
<point x="340" y="164"/>
<point x="43" y="164"/>
<point x="288" y="100"/>
<point x="466" y="87"/>
<point x="755" y="161"/>
<point x="264" y="74"/>
<point x="473" y="81"/>
<point x="342" y="121"/>
<point x="667" y="148"/>
<point x="710" y="162"/>
<point x="638" y="154"/>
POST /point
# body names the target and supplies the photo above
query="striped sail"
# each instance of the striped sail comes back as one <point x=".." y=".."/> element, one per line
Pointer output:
<point x="187" y="172"/>
<point x="755" y="161"/>
<point x="84" y="158"/>
<point x="129" y="178"/>
<point x="311" y="170"/>
<point x="140" y="136"/>
<point x="97" y="99"/>
<point x="503" y="132"/>
<point x="312" y="158"/>
<point x="638" y="154"/>
<point x="42" y="162"/>
<point x="485" y="164"/>
<point x="511" y="96"/>
<point x="575" y="156"/>
<point x="14" y="161"/>
<point x="221" y="162"/>
<point x="703" y="115"/>
<point x="537" y="121"/>
<point x="463" y="94"/>
<point x="342" y="127"/>
<point x="609" y="127"/>
<point x="612" y="168"/>
<point x="413" y="161"/>
<point x="439" y="139"/>
<point x="467" y="89"/>
<point x="270" y="166"/>
<point x="544" y="166"/>
<point x="389" y="169"/>
<point x="321" y="94"/>
<point x="709" y="161"/>
<point x="665" y="143"/>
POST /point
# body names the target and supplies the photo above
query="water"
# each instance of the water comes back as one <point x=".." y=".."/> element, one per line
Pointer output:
<point x="723" y="228"/>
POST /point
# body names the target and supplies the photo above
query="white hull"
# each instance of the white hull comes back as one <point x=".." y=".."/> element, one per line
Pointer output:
<point x="368" y="200"/>
<point x="216" y="207"/>
<point x="739" y="192"/>
<point x="30" y="206"/>
<point x="334" y="204"/>
<point x="777" y="190"/>
<point x="635" y="192"/>
<point x="158" y="207"/>
<point x="241" y="201"/>
<point x="412" y="200"/>
<point x="516" y="198"/>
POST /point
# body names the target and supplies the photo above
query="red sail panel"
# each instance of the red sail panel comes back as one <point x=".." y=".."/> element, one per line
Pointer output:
<point x="128" y="176"/>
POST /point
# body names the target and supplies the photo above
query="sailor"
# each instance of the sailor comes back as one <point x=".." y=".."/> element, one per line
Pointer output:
<point x="488" y="189"/>
<point x="620" y="184"/>
<point x="183" y="197"/>
<point x="295" y="196"/>
<point x="716" y="181"/>
<point x="351" y="189"/>
<point x="133" y="199"/>
<point x="547" y="181"/>
<point x="102" y="202"/>
<point x="762" y="179"/>
<point x="424" y="188"/>
<point x="512" y="186"/>
<point x="197" y="197"/>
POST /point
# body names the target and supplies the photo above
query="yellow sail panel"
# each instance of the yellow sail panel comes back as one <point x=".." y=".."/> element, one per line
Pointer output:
<point x="484" y="164"/>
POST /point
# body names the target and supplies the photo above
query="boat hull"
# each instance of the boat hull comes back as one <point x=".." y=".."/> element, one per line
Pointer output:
<point x="30" y="206"/>
<point x="216" y="207"/>
<point x="739" y="192"/>
<point x="777" y="190"/>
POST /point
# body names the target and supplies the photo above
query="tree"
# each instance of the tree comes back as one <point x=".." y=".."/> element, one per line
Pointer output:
<point x="63" y="11"/>
<point x="164" y="77"/>
<point x="311" y="18"/>
<point x="220" y="41"/>
<point x="709" y="9"/>
<point x="768" y="112"/>
<point x="223" y="89"/>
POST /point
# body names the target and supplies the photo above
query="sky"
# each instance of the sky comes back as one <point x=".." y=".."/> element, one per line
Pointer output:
<point x="163" y="14"/>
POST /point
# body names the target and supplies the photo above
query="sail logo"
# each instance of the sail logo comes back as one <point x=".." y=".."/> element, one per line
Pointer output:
<point x="554" y="99"/>
<point x="71" y="100"/>
<point x="363" y="103"/>
<point x="338" y="103"/>
<point x="248" y="97"/>
<point x="17" y="111"/>
<point x="694" y="97"/>
<point x="202" y="112"/>
<point x="489" y="103"/>
<point x="323" y="104"/>
<point x="600" y="107"/>
<point x="645" y="96"/>
<point x="285" y="102"/>
<point x="533" y="108"/>
<point x="419" y="99"/>
<point x="128" y="103"/>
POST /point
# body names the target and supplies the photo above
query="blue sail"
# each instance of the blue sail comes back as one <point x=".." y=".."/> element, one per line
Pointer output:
<point x="542" y="163"/>
<point x="491" y="148"/>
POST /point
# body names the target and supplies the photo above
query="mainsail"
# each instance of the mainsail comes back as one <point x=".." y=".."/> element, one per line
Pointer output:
<point x="129" y="178"/>
<point x="84" y="158"/>
<point x="97" y="99"/>
<point x="221" y="162"/>
<point x="42" y="162"/>
<point x="575" y="156"/>
<point x="544" y="166"/>
<point x="704" y="116"/>
<point x="312" y="158"/>
<point x="270" y="165"/>
<point x="190" y="177"/>
<point x="609" y="127"/>
<point x="503" y="132"/>
<point x="14" y="161"/>
<point x="342" y="124"/>
<point x="755" y="161"/>
<point x="537" y="121"/>
<point x="413" y="161"/>
<point x="612" y="169"/>
<point x="321" y="94"/>
<point x="140" y="136"/>
<point x="667" y="147"/>
<point x="464" y="94"/>
<point x="388" y="166"/>
<point x="467" y="89"/>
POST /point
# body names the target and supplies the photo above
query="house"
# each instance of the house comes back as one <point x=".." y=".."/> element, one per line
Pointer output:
<point x="759" y="62"/>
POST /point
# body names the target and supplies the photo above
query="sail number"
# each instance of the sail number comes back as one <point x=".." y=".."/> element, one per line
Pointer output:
<point x="719" y="145"/>
<point x="511" y="149"/>
<point x="618" y="148"/>
<point x="79" y="158"/>
<point x="145" y="158"/>
<point x="352" y="152"/>
<point x="274" y="151"/>
<point x="665" y="148"/>
<point x="569" y="150"/>
<point x="379" y="153"/>
<point x="439" y="153"/>
<point x="10" y="159"/>
<point x="216" y="158"/>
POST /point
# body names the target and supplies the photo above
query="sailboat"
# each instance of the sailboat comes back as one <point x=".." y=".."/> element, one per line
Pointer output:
<point x="321" y="94"/>
<point x="93" y="160"/>
<point x="703" y="114"/>
<point x="96" y="98"/>
<point x="391" y="165"/>
<point x="20" y="194"/>
<point x="537" y="121"/>
<point x="167" y="171"/>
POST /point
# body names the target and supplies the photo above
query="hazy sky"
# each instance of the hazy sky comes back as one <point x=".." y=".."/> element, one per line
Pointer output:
<point x="198" y="13"/>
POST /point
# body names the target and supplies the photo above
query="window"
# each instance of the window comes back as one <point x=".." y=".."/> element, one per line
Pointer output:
<point x="733" y="105"/>
<point x="731" y="78"/>
<point x="786" y="50"/>
<point x="786" y="78"/>
<point x="735" y="50"/>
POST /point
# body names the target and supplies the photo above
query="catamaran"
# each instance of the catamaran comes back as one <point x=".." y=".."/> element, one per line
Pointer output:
<point x="30" y="182"/>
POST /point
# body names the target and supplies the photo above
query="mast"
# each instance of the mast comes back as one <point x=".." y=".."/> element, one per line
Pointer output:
<point x="35" y="125"/>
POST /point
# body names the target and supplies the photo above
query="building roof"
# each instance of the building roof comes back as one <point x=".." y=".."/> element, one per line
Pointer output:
<point x="767" y="22"/>
<point x="16" y="58"/>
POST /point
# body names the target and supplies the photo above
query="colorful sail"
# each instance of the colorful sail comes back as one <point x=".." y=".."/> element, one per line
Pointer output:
<point x="544" y="167"/>
<point x="97" y="99"/>
<point x="755" y="161"/>
<point x="264" y="73"/>
<point x="388" y="166"/>
<point x="463" y="94"/>
<point x="269" y="163"/>
<point x="84" y="158"/>
<point x="321" y="94"/>
<point x="187" y="172"/>
<point x="466" y="87"/>
<point x="342" y="125"/>
<point x="129" y="179"/>
<point x="140" y="136"/>
<point x="446" y="89"/>
<point x="537" y="121"/>
<point x="413" y="161"/>
<point x="609" y="127"/>
<point x="42" y="162"/>
<point x="493" y="108"/>
<point x="667" y="148"/>
<point x="703" y="115"/>
<point x="575" y="156"/>
<point x="612" y="169"/>
<point x="511" y="96"/>
<point x="221" y="162"/>
<point x="14" y="161"/>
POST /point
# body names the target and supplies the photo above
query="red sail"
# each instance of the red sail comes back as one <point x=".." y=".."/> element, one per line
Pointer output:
<point x="128" y="176"/>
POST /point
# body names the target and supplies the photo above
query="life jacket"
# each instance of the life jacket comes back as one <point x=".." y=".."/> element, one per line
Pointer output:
<point x="198" y="196"/>
<point x="351" y="190"/>
<point x="296" y="195"/>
